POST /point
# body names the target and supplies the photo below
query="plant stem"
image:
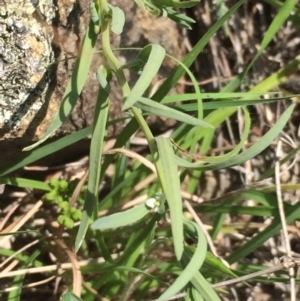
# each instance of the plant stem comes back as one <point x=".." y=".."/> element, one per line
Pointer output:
<point x="116" y="66"/>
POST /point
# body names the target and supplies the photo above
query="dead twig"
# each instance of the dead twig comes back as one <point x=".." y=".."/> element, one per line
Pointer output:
<point x="285" y="265"/>
<point x="283" y="219"/>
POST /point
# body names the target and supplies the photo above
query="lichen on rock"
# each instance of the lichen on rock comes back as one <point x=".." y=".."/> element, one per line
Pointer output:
<point x="25" y="57"/>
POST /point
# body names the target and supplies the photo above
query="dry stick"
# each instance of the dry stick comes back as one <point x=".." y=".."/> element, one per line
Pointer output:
<point x="136" y="282"/>
<point x="33" y="284"/>
<point x="77" y="276"/>
<point x="144" y="183"/>
<point x="93" y="292"/>
<point x="283" y="220"/>
<point x="180" y="295"/>
<point x="53" y="267"/>
<point x="132" y="155"/>
<point x="78" y="189"/>
<point x="10" y="267"/>
<point x="292" y="263"/>
<point x="281" y="266"/>
<point x="18" y="252"/>
<point x="17" y="224"/>
<point x="9" y="214"/>
<point x="78" y="163"/>
<point x="199" y="222"/>
<point x="289" y="141"/>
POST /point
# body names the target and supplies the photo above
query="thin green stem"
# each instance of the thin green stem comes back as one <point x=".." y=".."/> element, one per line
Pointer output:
<point x="116" y="66"/>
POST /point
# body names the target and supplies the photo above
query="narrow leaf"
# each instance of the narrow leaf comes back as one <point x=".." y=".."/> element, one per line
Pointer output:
<point x="191" y="267"/>
<point x="15" y="295"/>
<point x="121" y="219"/>
<point x="70" y="297"/>
<point x="193" y="54"/>
<point x="292" y="213"/>
<point x="156" y="108"/>
<point x="101" y="75"/>
<point x="25" y="183"/>
<point x="155" y="55"/>
<point x="169" y="178"/>
<point x="118" y="20"/>
<point x="45" y="150"/>
<point x="96" y="152"/>
<point x="75" y="85"/>
<point x="204" y="288"/>
<point x="251" y="152"/>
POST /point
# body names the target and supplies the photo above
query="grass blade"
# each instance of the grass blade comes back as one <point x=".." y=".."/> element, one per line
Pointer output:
<point x="75" y="85"/>
<point x="137" y="239"/>
<point x="292" y="213"/>
<point x="70" y="297"/>
<point x="204" y="288"/>
<point x="120" y="219"/>
<point x="280" y="18"/>
<point x="156" y="108"/>
<point x="155" y="55"/>
<point x="251" y="152"/>
<point x="171" y="185"/>
<point x="45" y="150"/>
<point x="230" y="103"/>
<point x="25" y="183"/>
<point x="15" y="295"/>
<point x="191" y="267"/>
<point x="193" y="54"/>
<point x="96" y="152"/>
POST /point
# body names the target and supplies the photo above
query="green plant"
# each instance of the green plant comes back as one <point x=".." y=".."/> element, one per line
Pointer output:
<point x="137" y="269"/>
<point x="60" y="195"/>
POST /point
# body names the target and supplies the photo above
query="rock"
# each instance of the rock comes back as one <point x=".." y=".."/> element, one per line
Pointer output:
<point x="31" y="88"/>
